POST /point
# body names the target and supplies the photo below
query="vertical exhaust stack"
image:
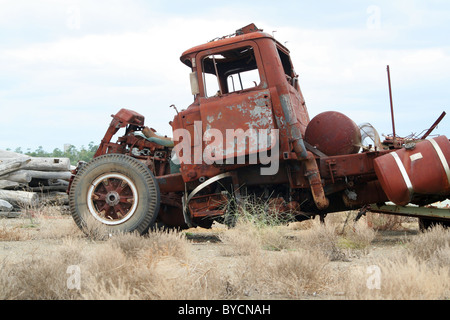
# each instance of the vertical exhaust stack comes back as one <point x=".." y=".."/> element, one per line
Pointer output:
<point x="416" y="171"/>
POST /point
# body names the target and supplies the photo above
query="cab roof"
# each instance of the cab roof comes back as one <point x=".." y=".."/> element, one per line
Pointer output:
<point x="249" y="32"/>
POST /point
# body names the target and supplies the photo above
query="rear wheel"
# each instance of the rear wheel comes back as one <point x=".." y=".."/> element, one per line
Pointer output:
<point x="117" y="191"/>
<point x="426" y="224"/>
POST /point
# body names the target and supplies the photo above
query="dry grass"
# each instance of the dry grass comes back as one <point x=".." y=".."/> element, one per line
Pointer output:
<point x="420" y="271"/>
<point x="286" y="274"/>
<point x="13" y="234"/>
<point x="401" y="278"/>
<point x="257" y="259"/>
<point x="379" y="221"/>
<point x="432" y="246"/>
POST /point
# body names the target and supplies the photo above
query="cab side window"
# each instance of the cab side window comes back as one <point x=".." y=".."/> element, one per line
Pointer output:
<point x="289" y="72"/>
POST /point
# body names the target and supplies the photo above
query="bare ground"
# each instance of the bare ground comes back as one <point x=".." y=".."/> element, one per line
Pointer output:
<point x="295" y="261"/>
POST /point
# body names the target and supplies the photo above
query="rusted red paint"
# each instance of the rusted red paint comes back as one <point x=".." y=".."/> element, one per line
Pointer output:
<point x="273" y="103"/>
<point x="321" y="168"/>
<point x="112" y="198"/>
<point x="415" y="171"/>
<point x="365" y="193"/>
<point x="334" y="134"/>
<point x="203" y="206"/>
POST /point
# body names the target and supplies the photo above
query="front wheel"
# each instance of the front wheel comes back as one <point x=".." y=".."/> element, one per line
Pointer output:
<point x="117" y="191"/>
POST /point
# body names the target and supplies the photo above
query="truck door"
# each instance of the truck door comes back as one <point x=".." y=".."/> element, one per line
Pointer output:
<point x="235" y="104"/>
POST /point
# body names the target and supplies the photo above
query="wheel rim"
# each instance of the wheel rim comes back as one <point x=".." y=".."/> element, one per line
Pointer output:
<point x="112" y="198"/>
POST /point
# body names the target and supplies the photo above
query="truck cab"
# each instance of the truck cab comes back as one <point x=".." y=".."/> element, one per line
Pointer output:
<point x="243" y="83"/>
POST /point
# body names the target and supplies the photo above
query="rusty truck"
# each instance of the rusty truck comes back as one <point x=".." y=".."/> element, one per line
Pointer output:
<point x="248" y="134"/>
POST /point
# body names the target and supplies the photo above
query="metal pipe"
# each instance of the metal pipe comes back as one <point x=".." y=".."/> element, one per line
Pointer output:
<point x="217" y="74"/>
<point x="313" y="175"/>
<point x="392" y="106"/>
<point x="433" y="126"/>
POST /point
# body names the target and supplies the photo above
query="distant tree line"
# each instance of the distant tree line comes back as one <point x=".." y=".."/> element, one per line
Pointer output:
<point x="71" y="152"/>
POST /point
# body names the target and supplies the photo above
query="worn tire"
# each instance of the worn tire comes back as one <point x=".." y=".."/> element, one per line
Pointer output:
<point x="426" y="224"/>
<point x="116" y="190"/>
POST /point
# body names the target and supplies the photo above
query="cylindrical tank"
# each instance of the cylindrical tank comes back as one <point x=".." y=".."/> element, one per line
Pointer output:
<point x="421" y="168"/>
<point x="334" y="134"/>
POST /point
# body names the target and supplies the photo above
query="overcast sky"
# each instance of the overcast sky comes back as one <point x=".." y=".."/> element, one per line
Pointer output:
<point x="66" y="66"/>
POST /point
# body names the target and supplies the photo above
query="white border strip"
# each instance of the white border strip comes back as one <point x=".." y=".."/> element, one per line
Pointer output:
<point x="403" y="172"/>
<point x="441" y="157"/>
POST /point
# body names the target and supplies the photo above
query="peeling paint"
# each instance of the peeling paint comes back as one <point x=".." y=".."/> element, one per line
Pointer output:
<point x="286" y="105"/>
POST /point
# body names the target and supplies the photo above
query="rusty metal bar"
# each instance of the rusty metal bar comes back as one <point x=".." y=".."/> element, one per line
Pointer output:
<point x="433" y="126"/>
<point x="412" y="211"/>
<point x="217" y="74"/>
<point x="392" y="105"/>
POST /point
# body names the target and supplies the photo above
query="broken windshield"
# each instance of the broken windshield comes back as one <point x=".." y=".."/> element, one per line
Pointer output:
<point x="230" y="71"/>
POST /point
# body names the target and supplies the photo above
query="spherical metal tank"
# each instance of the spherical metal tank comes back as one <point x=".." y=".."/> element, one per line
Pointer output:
<point x="334" y="134"/>
<point x="420" y="169"/>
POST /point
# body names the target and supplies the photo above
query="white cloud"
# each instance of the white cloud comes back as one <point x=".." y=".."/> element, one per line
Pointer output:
<point x="345" y="70"/>
<point x="64" y="88"/>
<point x="61" y="80"/>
